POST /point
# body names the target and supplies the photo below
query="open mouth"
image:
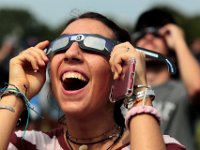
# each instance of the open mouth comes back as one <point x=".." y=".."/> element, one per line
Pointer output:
<point x="72" y="81"/>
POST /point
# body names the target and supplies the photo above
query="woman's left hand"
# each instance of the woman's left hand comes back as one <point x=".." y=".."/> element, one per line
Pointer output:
<point x="120" y="57"/>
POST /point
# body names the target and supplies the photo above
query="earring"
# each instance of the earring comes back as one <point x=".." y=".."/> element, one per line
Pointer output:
<point x="111" y="96"/>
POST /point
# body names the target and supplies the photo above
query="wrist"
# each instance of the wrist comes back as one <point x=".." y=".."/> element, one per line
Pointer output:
<point x="22" y="88"/>
<point x="141" y="87"/>
<point x="148" y="102"/>
<point x="179" y="45"/>
<point x="138" y="110"/>
<point x="13" y="101"/>
<point x="13" y="96"/>
<point x="143" y="95"/>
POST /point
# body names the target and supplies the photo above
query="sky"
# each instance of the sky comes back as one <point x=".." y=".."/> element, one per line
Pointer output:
<point x="55" y="12"/>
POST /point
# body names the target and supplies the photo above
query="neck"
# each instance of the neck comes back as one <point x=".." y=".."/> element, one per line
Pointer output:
<point x="97" y="126"/>
<point x="106" y="140"/>
<point x="90" y="126"/>
<point x="107" y="135"/>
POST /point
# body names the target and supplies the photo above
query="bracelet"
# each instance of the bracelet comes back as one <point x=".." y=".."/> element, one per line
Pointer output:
<point x="141" y="110"/>
<point x="9" y="92"/>
<point x="146" y="93"/>
<point x="142" y="86"/>
<point x="139" y="96"/>
<point x="7" y="107"/>
<point x="15" y="91"/>
<point x="15" y="88"/>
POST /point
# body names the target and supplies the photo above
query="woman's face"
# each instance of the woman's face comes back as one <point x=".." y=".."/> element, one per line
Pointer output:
<point x="155" y="43"/>
<point x="81" y="81"/>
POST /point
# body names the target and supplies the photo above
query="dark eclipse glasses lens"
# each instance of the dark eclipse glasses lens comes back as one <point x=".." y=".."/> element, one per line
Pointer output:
<point x="87" y="42"/>
<point x="140" y="34"/>
<point x="99" y="44"/>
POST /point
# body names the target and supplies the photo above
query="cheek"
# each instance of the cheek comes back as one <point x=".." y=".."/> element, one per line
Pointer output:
<point x="162" y="48"/>
<point x="100" y="67"/>
<point x="53" y="67"/>
<point x="55" y="61"/>
<point x="140" y="43"/>
<point x="102" y="77"/>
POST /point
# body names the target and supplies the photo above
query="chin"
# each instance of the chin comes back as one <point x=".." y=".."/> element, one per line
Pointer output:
<point x="72" y="107"/>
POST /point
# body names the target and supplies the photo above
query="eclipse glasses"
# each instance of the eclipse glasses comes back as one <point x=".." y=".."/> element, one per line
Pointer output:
<point x="139" y="34"/>
<point x="98" y="44"/>
<point x="88" y="42"/>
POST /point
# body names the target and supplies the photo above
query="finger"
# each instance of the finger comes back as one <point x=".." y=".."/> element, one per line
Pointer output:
<point x="123" y="73"/>
<point x="119" y="53"/>
<point x="118" y="71"/>
<point x="42" y="45"/>
<point x="38" y="56"/>
<point x="33" y="58"/>
<point x="119" y="63"/>
<point x="165" y="31"/>
<point x="120" y="56"/>
<point x="115" y="68"/>
<point x="41" y="54"/>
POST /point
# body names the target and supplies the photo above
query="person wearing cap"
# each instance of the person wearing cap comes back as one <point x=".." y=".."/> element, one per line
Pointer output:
<point x="158" y="31"/>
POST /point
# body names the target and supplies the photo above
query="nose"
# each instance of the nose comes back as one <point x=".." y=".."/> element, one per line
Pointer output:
<point x="73" y="54"/>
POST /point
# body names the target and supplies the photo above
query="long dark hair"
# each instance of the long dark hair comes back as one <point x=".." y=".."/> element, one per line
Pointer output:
<point x="121" y="35"/>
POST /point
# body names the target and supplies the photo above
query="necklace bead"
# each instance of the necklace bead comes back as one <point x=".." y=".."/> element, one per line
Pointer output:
<point x="83" y="147"/>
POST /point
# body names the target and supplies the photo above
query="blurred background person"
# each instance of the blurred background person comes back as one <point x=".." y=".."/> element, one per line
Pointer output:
<point x="157" y="30"/>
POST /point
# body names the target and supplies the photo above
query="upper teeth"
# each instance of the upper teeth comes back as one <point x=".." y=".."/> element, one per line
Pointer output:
<point x="76" y="75"/>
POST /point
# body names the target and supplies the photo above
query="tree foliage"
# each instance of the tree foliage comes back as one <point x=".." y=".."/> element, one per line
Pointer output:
<point x="22" y="24"/>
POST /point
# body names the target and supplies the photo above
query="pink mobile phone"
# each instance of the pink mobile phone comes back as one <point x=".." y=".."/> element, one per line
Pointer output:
<point x="124" y="88"/>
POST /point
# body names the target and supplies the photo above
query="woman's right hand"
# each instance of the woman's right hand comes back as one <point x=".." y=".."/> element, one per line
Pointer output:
<point x="123" y="52"/>
<point x="28" y="69"/>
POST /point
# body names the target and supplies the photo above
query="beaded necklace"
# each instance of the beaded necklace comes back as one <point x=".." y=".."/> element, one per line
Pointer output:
<point x="83" y="143"/>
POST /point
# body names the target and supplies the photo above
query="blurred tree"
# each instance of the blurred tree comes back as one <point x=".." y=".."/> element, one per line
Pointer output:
<point x="193" y="28"/>
<point x="19" y="30"/>
<point x="22" y="24"/>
